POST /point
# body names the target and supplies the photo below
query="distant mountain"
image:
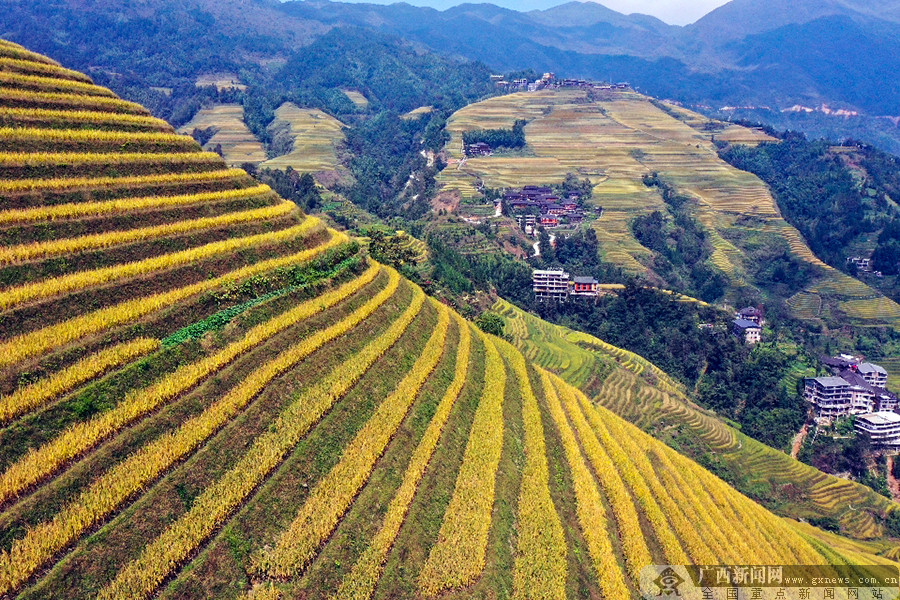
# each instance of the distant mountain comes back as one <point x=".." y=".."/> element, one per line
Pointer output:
<point x="583" y="27"/>
<point x="832" y="59"/>
<point x="740" y="18"/>
<point x="586" y="14"/>
<point x="766" y="56"/>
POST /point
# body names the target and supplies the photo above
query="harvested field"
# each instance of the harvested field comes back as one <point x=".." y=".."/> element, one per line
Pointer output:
<point x="237" y="141"/>
<point x="361" y="102"/>
<point x="316" y="137"/>
<point x="221" y="81"/>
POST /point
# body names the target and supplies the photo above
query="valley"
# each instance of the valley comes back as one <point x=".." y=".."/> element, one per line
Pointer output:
<point x="230" y="135"/>
<point x="314" y="138"/>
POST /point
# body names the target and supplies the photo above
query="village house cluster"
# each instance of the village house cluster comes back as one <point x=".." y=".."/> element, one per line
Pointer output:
<point x="857" y="388"/>
<point x="864" y="265"/>
<point x="535" y="205"/>
<point x="556" y="284"/>
<point x="478" y="149"/>
<point x="549" y="81"/>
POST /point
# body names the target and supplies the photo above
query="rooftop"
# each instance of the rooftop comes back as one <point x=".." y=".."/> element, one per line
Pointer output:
<point x="831" y="381"/>
<point x="884" y="417"/>
<point x="579" y="279"/>
<point x="835" y="362"/>
<point x="871" y="368"/>
<point x="857" y="380"/>
<point x="745" y="324"/>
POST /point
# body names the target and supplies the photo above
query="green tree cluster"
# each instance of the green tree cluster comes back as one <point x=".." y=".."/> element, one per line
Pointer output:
<point x="291" y="185"/>
<point x="829" y="200"/>
<point x="498" y="138"/>
<point x="680" y="244"/>
<point x="490" y="322"/>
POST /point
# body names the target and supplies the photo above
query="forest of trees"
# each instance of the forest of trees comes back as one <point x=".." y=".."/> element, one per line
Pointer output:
<point x="820" y="195"/>
<point x="498" y="138"/>
<point x="680" y="244"/>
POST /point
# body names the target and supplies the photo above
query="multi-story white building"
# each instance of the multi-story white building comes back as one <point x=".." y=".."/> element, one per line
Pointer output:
<point x="830" y="396"/>
<point x="862" y="399"/>
<point x="552" y="284"/>
<point x="883" y="428"/>
<point x="857" y="388"/>
<point x="834" y="397"/>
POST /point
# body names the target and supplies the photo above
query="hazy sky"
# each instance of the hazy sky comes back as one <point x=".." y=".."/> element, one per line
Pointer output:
<point x="677" y="12"/>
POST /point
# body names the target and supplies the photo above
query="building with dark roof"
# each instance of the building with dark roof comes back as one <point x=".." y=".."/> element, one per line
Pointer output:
<point x="750" y="313"/>
<point x="478" y="149"/>
<point x="748" y="331"/>
<point x="549" y="221"/>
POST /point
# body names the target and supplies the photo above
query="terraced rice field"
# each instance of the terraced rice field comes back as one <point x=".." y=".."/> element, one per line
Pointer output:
<point x="618" y="380"/>
<point x="259" y="410"/>
<point x="615" y="142"/>
<point x="464" y="238"/>
<point x="239" y="145"/>
<point x="418" y="112"/>
<point x="892" y="366"/>
<point x="221" y="81"/>
<point x="316" y="137"/>
<point x="877" y="308"/>
<point x="723" y="131"/>
<point x="417" y="246"/>
<point x="361" y="102"/>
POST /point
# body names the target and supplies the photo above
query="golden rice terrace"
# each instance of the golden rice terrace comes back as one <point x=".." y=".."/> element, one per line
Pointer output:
<point x="206" y="393"/>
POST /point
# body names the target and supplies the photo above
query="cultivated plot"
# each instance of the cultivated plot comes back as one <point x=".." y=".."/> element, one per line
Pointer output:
<point x="237" y="142"/>
<point x="316" y="137"/>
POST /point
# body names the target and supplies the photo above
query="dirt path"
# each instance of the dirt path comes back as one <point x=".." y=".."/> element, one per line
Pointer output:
<point x="893" y="483"/>
<point x="798" y="440"/>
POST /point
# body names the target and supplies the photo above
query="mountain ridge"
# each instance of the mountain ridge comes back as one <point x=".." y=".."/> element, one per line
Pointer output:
<point x="710" y="64"/>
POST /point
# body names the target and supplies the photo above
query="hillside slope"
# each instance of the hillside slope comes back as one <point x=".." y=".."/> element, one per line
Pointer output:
<point x="206" y="393"/>
<point x="232" y="137"/>
<point x="638" y="391"/>
<point x="615" y="141"/>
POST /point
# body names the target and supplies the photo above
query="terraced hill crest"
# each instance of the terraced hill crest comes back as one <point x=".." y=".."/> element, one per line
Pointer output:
<point x="206" y="393"/>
